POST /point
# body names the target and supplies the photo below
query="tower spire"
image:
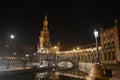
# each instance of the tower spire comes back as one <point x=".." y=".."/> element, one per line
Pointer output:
<point x="45" y="22"/>
<point x="44" y="37"/>
<point x="45" y="15"/>
<point x="115" y="21"/>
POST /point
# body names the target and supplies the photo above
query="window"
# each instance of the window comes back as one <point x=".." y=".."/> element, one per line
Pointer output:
<point x="113" y="44"/>
<point x="108" y="55"/>
<point x="108" y="45"/>
<point x="113" y="55"/>
<point x="105" y="46"/>
<point x="111" y="35"/>
<point x="105" y="56"/>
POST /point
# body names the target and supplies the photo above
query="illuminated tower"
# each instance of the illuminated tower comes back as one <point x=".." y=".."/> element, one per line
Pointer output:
<point x="43" y="45"/>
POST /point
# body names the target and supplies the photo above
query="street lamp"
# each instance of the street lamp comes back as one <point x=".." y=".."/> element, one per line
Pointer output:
<point x="55" y="47"/>
<point x="96" y="36"/>
<point x="54" y="63"/>
<point x="78" y="52"/>
<point x="27" y="55"/>
<point x="78" y="61"/>
<point x="92" y="55"/>
<point x="14" y="53"/>
<point x="97" y="72"/>
<point x="12" y="36"/>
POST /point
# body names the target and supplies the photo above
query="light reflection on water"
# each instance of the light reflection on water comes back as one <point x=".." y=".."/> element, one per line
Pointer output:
<point x="49" y="75"/>
<point x="60" y="75"/>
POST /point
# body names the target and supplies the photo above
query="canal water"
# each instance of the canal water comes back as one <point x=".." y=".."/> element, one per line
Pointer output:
<point x="53" y="74"/>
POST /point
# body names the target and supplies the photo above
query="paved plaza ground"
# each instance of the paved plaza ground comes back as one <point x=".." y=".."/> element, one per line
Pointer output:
<point x="115" y="70"/>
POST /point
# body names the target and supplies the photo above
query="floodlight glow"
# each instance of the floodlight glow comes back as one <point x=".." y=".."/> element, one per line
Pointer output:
<point x="96" y="33"/>
<point x="12" y="36"/>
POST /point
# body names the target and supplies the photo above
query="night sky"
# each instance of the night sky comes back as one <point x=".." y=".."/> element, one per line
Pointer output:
<point x="71" y="23"/>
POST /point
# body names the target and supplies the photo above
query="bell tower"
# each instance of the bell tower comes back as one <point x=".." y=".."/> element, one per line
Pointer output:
<point x="43" y="45"/>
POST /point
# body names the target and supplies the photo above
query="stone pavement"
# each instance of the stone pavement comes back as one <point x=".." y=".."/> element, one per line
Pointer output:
<point x="115" y="67"/>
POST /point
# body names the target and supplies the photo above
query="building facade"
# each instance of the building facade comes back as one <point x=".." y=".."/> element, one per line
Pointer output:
<point x="109" y="47"/>
<point x="110" y="43"/>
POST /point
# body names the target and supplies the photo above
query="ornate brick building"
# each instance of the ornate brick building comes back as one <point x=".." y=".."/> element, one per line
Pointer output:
<point x="109" y="48"/>
<point x="110" y="43"/>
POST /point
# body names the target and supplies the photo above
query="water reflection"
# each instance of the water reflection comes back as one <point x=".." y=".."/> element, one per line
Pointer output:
<point x="41" y="76"/>
<point x="46" y="76"/>
<point x="58" y="74"/>
<point x="53" y="74"/>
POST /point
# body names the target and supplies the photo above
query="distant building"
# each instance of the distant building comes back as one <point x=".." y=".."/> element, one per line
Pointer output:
<point x="110" y="43"/>
<point x="108" y="47"/>
<point x="44" y="45"/>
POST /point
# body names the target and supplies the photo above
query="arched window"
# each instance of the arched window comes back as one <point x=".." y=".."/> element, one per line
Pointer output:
<point x="109" y="56"/>
<point x="113" y="55"/>
<point x="105" y="56"/>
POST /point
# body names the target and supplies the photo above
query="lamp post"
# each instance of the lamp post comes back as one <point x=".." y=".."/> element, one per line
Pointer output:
<point x="96" y="36"/>
<point x="54" y="62"/>
<point x="11" y="37"/>
<point x="92" y="55"/>
<point x="55" y="47"/>
<point x="78" y="53"/>
<point x="78" y="62"/>
<point x="25" y="60"/>
<point x="97" y="72"/>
